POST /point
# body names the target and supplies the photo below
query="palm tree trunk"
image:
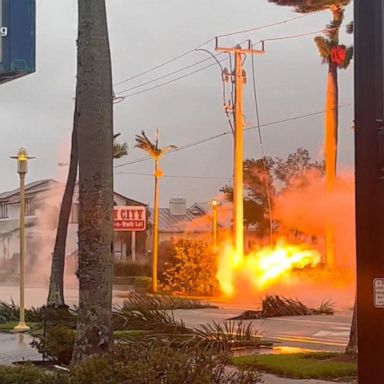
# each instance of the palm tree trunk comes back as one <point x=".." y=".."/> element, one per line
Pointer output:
<point x="352" y="343"/>
<point x="155" y="229"/>
<point x="330" y="148"/>
<point x="331" y="126"/>
<point x="95" y="140"/>
<point x="56" y="284"/>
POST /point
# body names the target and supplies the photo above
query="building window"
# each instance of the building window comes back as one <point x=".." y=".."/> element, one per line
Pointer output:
<point x="28" y="207"/>
<point x="3" y="210"/>
<point x="74" y="219"/>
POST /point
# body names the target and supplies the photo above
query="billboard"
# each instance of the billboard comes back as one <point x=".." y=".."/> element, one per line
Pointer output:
<point x="17" y="39"/>
<point x="129" y="218"/>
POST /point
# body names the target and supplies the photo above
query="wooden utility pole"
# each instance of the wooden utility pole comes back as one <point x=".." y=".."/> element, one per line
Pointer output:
<point x="369" y="155"/>
<point x="239" y="79"/>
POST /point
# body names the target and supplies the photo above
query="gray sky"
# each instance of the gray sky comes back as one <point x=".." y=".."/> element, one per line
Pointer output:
<point x="36" y="111"/>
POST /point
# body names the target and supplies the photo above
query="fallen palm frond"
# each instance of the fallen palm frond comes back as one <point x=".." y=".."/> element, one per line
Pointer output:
<point x="141" y="318"/>
<point x="276" y="306"/>
<point x="162" y="302"/>
<point x="11" y="312"/>
<point x="226" y="336"/>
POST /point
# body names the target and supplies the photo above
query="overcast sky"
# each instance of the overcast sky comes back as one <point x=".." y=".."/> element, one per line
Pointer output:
<point x="36" y="111"/>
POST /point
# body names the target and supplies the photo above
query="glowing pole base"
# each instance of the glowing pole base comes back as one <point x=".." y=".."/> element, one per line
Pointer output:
<point x="21" y="327"/>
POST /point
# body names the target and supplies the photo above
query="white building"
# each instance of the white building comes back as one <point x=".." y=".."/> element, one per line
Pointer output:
<point x="43" y="199"/>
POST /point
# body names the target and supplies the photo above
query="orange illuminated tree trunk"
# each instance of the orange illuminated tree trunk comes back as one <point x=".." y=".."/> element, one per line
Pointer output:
<point x="336" y="56"/>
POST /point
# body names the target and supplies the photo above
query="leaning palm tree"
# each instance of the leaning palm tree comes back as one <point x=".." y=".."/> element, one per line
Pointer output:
<point x="56" y="283"/>
<point x="156" y="153"/>
<point x="337" y="56"/>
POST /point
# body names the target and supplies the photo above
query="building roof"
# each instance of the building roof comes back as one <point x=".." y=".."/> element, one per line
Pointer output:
<point x="35" y="186"/>
<point x="194" y="220"/>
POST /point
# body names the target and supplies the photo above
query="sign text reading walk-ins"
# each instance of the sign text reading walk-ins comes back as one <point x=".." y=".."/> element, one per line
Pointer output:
<point x="129" y="218"/>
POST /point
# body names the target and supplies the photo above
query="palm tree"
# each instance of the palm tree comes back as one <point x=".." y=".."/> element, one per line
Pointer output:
<point x="95" y="141"/>
<point x="336" y="56"/>
<point x="56" y="281"/>
<point x="56" y="284"/>
<point x="156" y="153"/>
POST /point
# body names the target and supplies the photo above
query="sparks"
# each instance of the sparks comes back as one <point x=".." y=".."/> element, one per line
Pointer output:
<point x="265" y="266"/>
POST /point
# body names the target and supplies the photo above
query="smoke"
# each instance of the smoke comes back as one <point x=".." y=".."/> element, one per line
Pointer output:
<point x="310" y="209"/>
<point x="303" y="212"/>
<point x="42" y="235"/>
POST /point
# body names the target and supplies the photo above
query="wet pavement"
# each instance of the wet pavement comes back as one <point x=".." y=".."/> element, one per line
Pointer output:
<point x="270" y="379"/>
<point x="16" y="347"/>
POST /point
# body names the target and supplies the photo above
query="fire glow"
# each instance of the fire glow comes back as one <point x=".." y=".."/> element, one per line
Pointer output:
<point x="265" y="266"/>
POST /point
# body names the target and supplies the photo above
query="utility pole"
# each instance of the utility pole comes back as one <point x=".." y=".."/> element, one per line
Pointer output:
<point x="214" y="224"/>
<point x="369" y="168"/>
<point x="239" y="79"/>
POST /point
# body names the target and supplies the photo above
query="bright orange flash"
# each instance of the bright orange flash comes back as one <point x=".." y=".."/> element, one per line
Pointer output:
<point x="264" y="266"/>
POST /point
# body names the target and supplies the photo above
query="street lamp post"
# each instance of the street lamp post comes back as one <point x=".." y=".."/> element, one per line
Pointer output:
<point x="22" y="169"/>
<point x="214" y="223"/>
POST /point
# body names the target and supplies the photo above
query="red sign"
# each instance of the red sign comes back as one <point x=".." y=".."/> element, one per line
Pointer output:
<point x="129" y="218"/>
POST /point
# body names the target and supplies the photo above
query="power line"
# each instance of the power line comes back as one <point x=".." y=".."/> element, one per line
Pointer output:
<point x="263" y="27"/>
<point x="178" y="57"/>
<point x="166" y="75"/>
<point x="262" y="149"/>
<point x="162" y="64"/>
<point x="279" y="38"/>
<point x="175" y="176"/>
<point x="297" y="35"/>
<point x="173" y="80"/>
<point x="208" y="139"/>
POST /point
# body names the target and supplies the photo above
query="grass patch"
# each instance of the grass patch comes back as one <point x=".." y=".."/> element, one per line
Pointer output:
<point x="129" y="334"/>
<point x="10" y="325"/>
<point x="321" y="365"/>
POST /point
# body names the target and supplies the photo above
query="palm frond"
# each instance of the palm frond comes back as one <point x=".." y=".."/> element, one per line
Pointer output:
<point x="226" y="336"/>
<point x="348" y="58"/>
<point x="307" y="6"/>
<point x="143" y="142"/>
<point x="167" y="149"/>
<point x="324" y="47"/>
<point x="120" y="150"/>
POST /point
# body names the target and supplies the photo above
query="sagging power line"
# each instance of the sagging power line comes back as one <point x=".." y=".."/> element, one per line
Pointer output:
<point x="226" y="133"/>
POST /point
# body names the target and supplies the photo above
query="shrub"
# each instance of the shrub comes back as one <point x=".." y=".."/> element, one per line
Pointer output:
<point x="131" y="269"/>
<point x="157" y="364"/>
<point x="58" y="345"/>
<point x="26" y="374"/>
<point x="167" y="253"/>
<point x="192" y="270"/>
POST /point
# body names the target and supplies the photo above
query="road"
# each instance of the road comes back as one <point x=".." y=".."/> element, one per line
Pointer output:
<point x="324" y="333"/>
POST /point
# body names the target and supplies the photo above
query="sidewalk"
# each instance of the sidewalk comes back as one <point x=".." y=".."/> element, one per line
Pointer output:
<point x="270" y="379"/>
<point x="16" y="347"/>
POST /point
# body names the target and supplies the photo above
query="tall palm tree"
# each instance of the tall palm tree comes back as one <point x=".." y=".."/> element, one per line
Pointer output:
<point x="56" y="283"/>
<point x="95" y="140"/>
<point x="156" y="153"/>
<point x="336" y="56"/>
